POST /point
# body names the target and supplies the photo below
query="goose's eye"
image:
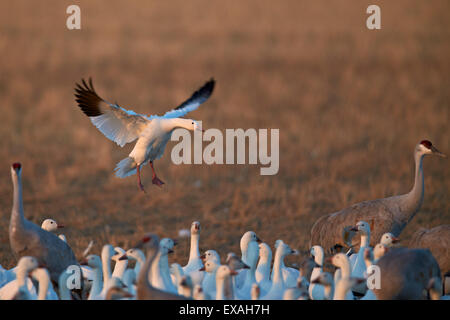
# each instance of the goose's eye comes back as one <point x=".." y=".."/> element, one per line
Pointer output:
<point x="192" y="123"/>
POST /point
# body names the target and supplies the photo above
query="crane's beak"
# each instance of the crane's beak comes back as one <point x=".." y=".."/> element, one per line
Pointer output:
<point x="437" y="152"/>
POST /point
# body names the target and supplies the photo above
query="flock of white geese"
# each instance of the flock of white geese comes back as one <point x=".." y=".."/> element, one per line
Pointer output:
<point x="47" y="267"/>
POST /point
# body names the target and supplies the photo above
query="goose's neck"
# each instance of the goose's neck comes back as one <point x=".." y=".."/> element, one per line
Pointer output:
<point x="140" y="260"/>
<point x="194" y="253"/>
<point x="414" y="199"/>
<point x="97" y="284"/>
<point x="365" y="240"/>
<point x="345" y="269"/>
<point x="106" y="267"/>
<point x="17" y="217"/>
<point x="264" y="267"/>
<point x="277" y="276"/>
<point x="119" y="268"/>
<point x="156" y="267"/>
<point x="43" y="287"/>
<point x="328" y="291"/>
<point x="220" y="288"/>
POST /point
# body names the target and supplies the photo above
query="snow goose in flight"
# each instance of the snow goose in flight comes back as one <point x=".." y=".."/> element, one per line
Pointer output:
<point x="124" y="126"/>
<point x="389" y="214"/>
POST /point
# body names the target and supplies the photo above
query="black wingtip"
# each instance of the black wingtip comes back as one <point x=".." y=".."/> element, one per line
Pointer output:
<point x="87" y="98"/>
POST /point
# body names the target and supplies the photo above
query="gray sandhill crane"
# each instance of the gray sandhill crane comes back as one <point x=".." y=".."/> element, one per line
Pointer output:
<point x="28" y="239"/>
<point x="145" y="291"/>
<point x="437" y="240"/>
<point x="384" y="215"/>
<point x="405" y="274"/>
<point x="124" y="126"/>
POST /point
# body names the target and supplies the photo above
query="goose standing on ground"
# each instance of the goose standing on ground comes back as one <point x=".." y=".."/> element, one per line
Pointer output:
<point x="316" y="289"/>
<point x="325" y="279"/>
<point x="224" y="289"/>
<point x="121" y="260"/>
<point x="359" y="267"/>
<point x="278" y="286"/>
<point x="21" y="288"/>
<point x="262" y="273"/>
<point x="389" y="214"/>
<point x="138" y="256"/>
<point x="405" y="274"/>
<point x="160" y="271"/>
<point x="250" y="253"/>
<point x="437" y="240"/>
<point x="290" y="275"/>
<point x="28" y="239"/>
<point x="195" y="262"/>
<point x="342" y="262"/>
<point x="209" y="283"/>
<point x="50" y="225"/>
<point x="152" y="133"/>
<point x="145" y="291"/>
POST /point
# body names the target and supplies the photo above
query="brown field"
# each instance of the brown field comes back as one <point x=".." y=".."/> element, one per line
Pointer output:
<point x="350" y="104"/>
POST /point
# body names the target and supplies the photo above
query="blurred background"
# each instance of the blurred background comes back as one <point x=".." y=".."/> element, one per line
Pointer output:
<point x="350" y="104"/>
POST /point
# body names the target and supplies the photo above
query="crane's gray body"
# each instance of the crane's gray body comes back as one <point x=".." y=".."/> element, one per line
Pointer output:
<point x="28" y="239"/>
<point x="437" y="240"/>
<point x="405" y="274"/>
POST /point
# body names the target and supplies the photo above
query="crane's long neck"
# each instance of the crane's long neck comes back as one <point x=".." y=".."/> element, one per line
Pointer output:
<point x="414" y="199"/>
<point x="17" y="217"/>
<point x="144" y="273"/>
<point x="194" y="253"/>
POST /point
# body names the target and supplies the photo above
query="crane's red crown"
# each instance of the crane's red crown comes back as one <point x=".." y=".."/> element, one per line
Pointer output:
<point x="426" y="143"/>
<point x="17" y="166"/>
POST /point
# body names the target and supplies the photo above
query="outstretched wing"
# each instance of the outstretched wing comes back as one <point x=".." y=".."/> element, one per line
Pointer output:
<point x="117" y="124"/>
<point x="197" y="98"/>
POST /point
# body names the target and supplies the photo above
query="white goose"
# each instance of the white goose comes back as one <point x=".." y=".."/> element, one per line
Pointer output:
<point x="342" y="262"/>
<point x="213" y="256"/>
<point x="290" y="275"/>
<point x="359" y="268"/>
<point x="278" y="286"/>
<point x="195" y="262"/>
<point x="46" y="291"/>
<point x="250" y="253"/>
<point x="224" y="289"/>
<point x="262" y="273"/>
<point x="21" y="288"/>
<point x="316" y="289"/>
<point x="327" y="282"/>
<point x="389" y="240"/>
<point x="152" y="133"/>
<point x="50" y="225"/>
<point x="121" y="260"/>
<point x="138" y="256"/>
<point x="209" y="283"/>
<point x="160" y="273"/>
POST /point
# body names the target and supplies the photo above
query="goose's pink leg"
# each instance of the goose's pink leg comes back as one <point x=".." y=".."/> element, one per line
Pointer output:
<point x="155" y="179"/>
<point x="138" y="168"/>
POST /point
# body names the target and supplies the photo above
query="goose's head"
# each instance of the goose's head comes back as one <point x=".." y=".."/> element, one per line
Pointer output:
<point x="318" y="254"/>
<point x="379" y="250"/>
<point x="92" y="261"/>
<point x="28" y="263"/>
<point x="16" y="169"/>
<point x="135" y="254"/>
<point x="119" y="254"/>
<point x="247" y="238"/>
<point x="265" y="253"/>
<point x="362" y="227"/>
<point x="425" y="147"/>
<point x="388" y="239"/>
<point x="210" y="266"/>
<point x="195" y="228"/>
<point x="50" y="225"/>
<point x="285" y="249"/>
<point x="210" y="255"/>
<point x="224" y="271"/>
<point x="167" y="245"/>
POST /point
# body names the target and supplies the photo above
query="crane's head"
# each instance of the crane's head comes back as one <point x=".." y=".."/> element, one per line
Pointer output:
<point x="16" y="168"/>
<point x="426" y="147"/>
